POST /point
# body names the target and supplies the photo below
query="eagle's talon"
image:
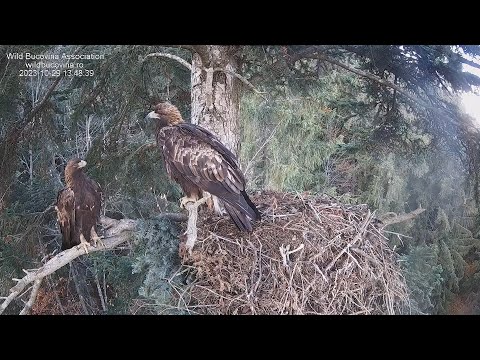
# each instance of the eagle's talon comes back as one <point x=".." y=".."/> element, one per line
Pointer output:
<point x="185" y="200"/>
<point x="84" y="243"/>
<point x="98" y="240"/>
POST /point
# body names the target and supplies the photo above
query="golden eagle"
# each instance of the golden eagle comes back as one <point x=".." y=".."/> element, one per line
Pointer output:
<point x="78" y="207"/>
<point x="199" y="163"/>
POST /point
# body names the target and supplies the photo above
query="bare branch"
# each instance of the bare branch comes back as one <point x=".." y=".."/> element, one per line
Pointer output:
<point x="242" y="79"/>
<point x="176" y="217"/>
<point x="118" y="231"/>
<point x="374" y="78"/>
<point x="469" y="62"/>
<point x="250" y="163"/>
<point x="169" y="56"/>
<point x="192" y="208"/>
<point x="357" y="237"/>
<point x="33" y="295"/>
<point x="402" y="217"/>
<point x="100" y="295"/>
<point x="202" y="54"/>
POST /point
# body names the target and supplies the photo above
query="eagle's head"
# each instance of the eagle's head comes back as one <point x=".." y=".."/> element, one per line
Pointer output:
<point x="165" y="114"/>
<point x="73" y="170"/>
<point x="76" y="164"/>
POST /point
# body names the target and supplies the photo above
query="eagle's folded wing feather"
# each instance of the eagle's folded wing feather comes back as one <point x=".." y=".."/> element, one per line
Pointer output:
<point x="66" y="216"/>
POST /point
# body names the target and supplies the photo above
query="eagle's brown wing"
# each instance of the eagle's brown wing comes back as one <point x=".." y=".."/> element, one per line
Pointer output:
<point x="202" y="159"/>
<point x="66" y="217"/>
<point x="88" y="200"/>
<point x="97" y="197"/>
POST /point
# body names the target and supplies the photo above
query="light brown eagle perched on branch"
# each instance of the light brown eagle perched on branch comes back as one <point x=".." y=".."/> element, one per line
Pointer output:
<point x="200" y="164"/>
<point x="78" y="207"/>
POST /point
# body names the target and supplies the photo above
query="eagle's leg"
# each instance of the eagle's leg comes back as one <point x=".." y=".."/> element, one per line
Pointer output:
<point x="95" y="238"/>
<point x="84" y="243"/>
<point x="217" y="206"/>
<point x="213" y="203"/>
<point x="209" y="202"/>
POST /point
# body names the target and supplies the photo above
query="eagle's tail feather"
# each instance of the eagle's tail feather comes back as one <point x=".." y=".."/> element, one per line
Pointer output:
<point x="67" y="242"/>
<point x="254" y="213"/>
<point x="242" y="222"/>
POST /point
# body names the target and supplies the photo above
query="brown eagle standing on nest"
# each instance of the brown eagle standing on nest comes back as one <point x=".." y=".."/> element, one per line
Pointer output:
<point x="78" y="207"/>
<point x="202" y="165"/>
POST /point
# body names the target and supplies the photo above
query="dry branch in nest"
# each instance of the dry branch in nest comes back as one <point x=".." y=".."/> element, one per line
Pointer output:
<point x="308" y="255"/>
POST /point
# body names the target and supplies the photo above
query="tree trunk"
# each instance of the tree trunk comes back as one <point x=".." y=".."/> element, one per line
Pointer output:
<point x="215" y="94"/>
<point x="8" y="164"/>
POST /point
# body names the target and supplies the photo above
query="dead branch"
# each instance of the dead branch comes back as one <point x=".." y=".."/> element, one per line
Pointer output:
<point x="250" y="162"/>
<point x="357" y="237"/>
<point x="33" y="295"/>
<point x="100" y="295"/>
<point x="469" y="62"/>
<point x="376" y="79"/>
<point x="169" y="56"/>
<point x="402" y="217"/>
<point x="242" y="79"/>
<point x="118" y="231"/>
<point x="207" y="70"/>
<point x="176" y="217"/>
<point x="192" y="208"/>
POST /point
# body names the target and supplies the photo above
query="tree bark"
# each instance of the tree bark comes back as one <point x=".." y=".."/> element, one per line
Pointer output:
<point x="215" y="94"/>
<point x="8" y="165"/>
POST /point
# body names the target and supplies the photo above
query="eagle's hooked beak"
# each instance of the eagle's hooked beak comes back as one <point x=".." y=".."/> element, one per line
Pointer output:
<point x="82" y="164"/>
<point x="152" y="115"/>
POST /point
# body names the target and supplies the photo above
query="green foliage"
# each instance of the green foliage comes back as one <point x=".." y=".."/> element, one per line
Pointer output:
<point x="159" y="261"/>
<point x="141" y="273"/>
<point x="301" y="135"/>
<point x="423" y="275"/>
<point x="122" y="282"/>
<point x="437" y="183"/>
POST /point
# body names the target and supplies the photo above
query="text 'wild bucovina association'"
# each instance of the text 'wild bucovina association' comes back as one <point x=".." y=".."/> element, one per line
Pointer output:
<point x="63" y="56"/>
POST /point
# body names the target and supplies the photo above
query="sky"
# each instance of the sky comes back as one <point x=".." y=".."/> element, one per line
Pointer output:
<point x="470" y="101"/>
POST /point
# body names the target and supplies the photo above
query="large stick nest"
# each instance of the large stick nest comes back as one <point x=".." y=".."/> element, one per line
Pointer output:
<point x="343" y="264"/>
